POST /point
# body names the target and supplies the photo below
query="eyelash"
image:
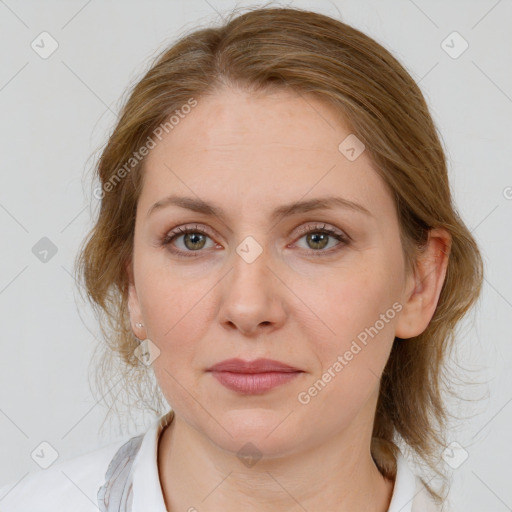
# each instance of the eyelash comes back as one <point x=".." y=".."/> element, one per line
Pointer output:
<point x="180" y="231"/>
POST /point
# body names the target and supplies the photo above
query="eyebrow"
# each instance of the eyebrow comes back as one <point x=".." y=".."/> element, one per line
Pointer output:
<point x="199" y="206"/>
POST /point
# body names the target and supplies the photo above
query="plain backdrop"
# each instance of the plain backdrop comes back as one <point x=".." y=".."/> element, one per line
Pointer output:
<point x="56" y="112"/>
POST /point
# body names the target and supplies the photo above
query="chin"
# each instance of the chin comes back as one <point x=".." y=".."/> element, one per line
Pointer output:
<point x="269" y="431"/>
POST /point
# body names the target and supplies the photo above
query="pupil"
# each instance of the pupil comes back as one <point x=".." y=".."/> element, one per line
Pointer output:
<point x="314" y="239"/>
<point x="194" y="238"/>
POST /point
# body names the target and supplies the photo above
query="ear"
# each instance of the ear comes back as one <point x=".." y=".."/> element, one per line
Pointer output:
<point x="133" y="303"/>
<point x="423" y="285"/>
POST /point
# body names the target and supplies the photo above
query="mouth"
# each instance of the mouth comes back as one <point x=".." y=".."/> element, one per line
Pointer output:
<point x="261" y="365"/>
<point x="253" y="377"/>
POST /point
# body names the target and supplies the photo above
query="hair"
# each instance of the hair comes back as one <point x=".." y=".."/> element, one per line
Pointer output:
<point x="263" y="50"/>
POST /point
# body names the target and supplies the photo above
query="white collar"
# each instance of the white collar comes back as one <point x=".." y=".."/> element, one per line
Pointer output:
<point x="147" y="491"/>
<point x="146" y="488"/>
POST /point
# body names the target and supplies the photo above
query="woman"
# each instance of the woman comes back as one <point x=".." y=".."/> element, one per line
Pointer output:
<point x="278" y="242"/>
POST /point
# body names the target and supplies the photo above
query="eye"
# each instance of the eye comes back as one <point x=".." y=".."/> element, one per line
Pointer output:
<point x="187" y="240"/>
<point x="193" y="239"/>
<point x="318" y="237"/>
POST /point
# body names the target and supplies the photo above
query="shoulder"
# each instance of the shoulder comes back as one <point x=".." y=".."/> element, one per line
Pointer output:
<point x="423" y="501"/>
<point x="409" y="493"/>
<point x="71" y="484"/>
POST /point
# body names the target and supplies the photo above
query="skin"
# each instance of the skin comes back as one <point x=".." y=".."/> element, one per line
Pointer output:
<point x="250" y="153"/>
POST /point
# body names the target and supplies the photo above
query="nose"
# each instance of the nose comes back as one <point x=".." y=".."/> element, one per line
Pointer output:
<point x="252" y="297"/>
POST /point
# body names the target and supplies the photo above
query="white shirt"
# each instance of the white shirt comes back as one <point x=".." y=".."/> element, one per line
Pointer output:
<point x="74" y="484"/>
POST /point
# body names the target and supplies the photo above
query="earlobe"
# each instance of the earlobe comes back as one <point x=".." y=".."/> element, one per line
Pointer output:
<point x="419" y="304"/>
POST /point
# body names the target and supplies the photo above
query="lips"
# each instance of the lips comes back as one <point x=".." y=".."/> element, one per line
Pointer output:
<point x="253" y="377"/>
<point x="257" y="366"/>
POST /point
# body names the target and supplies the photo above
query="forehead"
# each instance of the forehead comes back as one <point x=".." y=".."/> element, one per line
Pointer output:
<point x="239" y="147"/>
<point x="241" y="118"/>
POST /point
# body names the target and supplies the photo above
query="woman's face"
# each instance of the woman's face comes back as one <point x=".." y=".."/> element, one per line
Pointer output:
<point x="249" y="283"/>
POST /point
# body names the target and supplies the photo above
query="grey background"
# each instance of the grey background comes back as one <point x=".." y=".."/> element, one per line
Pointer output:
<point x="57" y="112"/>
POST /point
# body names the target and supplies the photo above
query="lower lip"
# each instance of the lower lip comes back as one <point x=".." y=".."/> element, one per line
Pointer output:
<point x="253" y="383"/>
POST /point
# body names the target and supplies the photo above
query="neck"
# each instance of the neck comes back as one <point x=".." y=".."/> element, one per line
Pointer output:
<point x="338" y="475"/>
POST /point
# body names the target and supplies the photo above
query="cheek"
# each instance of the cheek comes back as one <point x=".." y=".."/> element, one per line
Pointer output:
<point x="350" y="360"/>
<point x="175" y="310"/>
<point x="356" y="310"/>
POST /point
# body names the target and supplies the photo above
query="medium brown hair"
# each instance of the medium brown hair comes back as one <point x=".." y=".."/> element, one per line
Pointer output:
<point x="277" y="48"/>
